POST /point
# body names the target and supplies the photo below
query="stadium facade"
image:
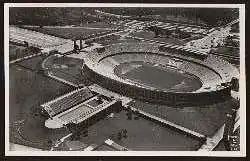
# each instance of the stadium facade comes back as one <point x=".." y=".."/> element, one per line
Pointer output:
<point x="215" y="78"/>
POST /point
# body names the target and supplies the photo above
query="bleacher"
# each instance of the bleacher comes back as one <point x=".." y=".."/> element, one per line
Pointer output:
<point x="83" y="111"/>
<point x="224" y="68"/>
<point x="74" y="114"/>
<point x="67" y="101"/>
<point x="206" y="76"/>
<point x="177" y="49"/>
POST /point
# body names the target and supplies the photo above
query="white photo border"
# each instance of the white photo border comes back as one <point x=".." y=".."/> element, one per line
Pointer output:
<point x="242" y="82"/>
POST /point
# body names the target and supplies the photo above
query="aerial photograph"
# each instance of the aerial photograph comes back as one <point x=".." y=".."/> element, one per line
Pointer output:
<point x="124" y="79"/>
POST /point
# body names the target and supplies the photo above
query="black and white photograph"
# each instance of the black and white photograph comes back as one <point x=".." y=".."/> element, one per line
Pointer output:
<point x="124" y="79"/>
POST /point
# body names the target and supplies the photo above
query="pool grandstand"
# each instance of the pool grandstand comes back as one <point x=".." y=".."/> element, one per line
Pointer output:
<point x="84" y="111"/>
<point x="77" y="107"/>
<point x="67" y="101"/>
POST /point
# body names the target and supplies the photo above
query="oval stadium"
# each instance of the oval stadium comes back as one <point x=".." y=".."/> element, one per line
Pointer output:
<point x="161" y="73"/>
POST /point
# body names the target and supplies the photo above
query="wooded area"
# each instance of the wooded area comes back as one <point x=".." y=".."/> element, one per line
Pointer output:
<point x="76" y="16"/>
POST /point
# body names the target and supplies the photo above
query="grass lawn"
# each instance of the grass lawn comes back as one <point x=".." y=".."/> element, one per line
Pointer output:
<point x="162" y="79"/>
<point x="144" y="34"/>
<point x="228" y="51"/>
<point x="151" y="35"/>
<point x="115" y="39"/>
<point x="33" y="64"/>
<point x="67" y="33"/>
<point x="67" y="68"/>
<point x="16" y="51"/>
<point x="100" y="25"/>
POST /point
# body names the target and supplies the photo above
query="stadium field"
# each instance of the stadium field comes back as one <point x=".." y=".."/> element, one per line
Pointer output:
<point x="150" y="135"/>
<point x="67" y="33"/>
<point x="67" y="68"/>
<point x="162" y="79"/>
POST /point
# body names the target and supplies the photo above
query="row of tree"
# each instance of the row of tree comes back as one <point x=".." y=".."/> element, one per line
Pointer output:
<point x="211" y="16"/>
<point x="50" y="16"/>
<point x="69" y="16"/>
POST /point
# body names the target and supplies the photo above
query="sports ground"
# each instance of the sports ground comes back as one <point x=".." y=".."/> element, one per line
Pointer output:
<point x="167" y="79"/>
